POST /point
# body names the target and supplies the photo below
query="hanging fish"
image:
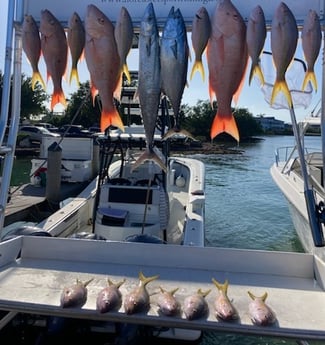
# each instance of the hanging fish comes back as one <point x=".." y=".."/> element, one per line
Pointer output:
<point x="103" y="63"/>
<point x="284" y="37"/>
<point x="31" y="43"/>
<point x="227" y="60"/>
<point x="74" y="295"/>
<point x="223" y="306"/>
<point x="311" y="36"/>
<point x="195" y="306"/>
<point x="255" y="37"/>
<point x="76" y="41"/>
<point x="138" y="300"/>
<point x="201" y="29"/>
<point x="109" y="298"/>
<point x="261" y="314"/>
<point x="55" y="50"/>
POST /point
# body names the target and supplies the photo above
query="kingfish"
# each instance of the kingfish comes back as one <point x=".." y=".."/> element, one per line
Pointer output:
<point x="227" y="60"/>
<point x="284" y="36"/>
<point x="223" y="306"/>
<point x="255" y="37"/>
<point x="261" y="314"/>
<point x="149" y="83"/>
<point x="167" y="303"/>
<point x="74" y="295"/>
<point x="103" y="63"/>
<point x="110" y="297"/>
<point x="201" y="29"/>
<point x="55" y="50"/>
<point x="138" y="300"/>
<point x="76" y="41"/>
<point x="31" y="43"/>
<point x="174" y="52"/>
<point x="195" y="306"/>
<point x="124" y="38"/>
<point x="311" y="36"/>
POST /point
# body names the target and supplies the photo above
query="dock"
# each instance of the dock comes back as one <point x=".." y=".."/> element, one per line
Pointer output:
<point x="32" y="279"/>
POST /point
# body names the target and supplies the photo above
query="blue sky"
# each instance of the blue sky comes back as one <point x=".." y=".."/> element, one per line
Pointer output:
<point x="251" y="97"/>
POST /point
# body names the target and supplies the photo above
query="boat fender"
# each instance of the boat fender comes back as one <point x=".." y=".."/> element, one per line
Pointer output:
<point x="180" y="181"/>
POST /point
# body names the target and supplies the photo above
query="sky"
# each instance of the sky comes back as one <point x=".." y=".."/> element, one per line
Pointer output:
<point x="251" y="97"/>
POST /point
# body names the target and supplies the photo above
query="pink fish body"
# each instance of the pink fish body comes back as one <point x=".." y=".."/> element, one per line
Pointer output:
<point x="201" y="29"/>
<point x="103" y="63"/>
<point x="255" y="37"/>
<point x="76" y="43"/>
<point x="311" y="37"/>
<point x="227" y="59"/>
<point x="32" y="47"/>
<point x="167" y="303"/>
<point x="109" y="298"/>
<point x="261" y="314"/>
<point x="284" y="36"/>
<point x="55" y="49"/>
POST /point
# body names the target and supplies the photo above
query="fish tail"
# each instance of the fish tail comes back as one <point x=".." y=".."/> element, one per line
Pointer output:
<point x="74" y="74"/>
<point x="174" y="131"/>
<point x="221" y="287"/>
<point x="111" y="118"/>
<point x="281" y="85"/>
<point x="58" y="97"/>
<point x="87" y="282"/>
<point x="203" y="293"/>
<point x="256" y="70"/>
<point x="253" y="297"/>
<point x="198" y="66"/>
<point x="310" y="77"/>
<point x="126" y="72"/>
<point x="224" y="124"/>
<point x="37" y="78"/>
<point x="149" y="155"/>
<point x="145" y="280"/>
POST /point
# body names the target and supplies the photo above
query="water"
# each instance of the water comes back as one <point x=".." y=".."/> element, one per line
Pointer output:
<point x="244" y="209"/>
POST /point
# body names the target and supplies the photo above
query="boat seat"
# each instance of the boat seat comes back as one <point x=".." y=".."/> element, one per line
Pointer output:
<point x="120" y="181"/>
<point x="113" y="216"/>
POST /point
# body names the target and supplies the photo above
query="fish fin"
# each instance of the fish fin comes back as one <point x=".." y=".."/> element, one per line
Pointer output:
<point x="212" y="95"/>
<point x="222" y="123"/>
<point x="58" y="97"/>
<point x="118" y="90"/>
<point x="256" y="70"/>
<point x="145" y="280"/>
<point x="264" y="297"/>
<point x="74" y="74"/>
<point x="126" y="72"/>
<point x="94" y="93"/>
<point x="241" y="85"/>
<point x="37" y="78"/>
<point x="174" y="49"/>
<point x="110" y="118"/>
<point x="149" y="155"/>
<point x="309" y="77"/>
<point x="198" y="66"/>
<point x="281" y="85"/>
<point x="221" y="287"/>
<point x="176" y="131"/>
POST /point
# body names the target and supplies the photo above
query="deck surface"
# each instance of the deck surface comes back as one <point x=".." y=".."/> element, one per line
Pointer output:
<point x="34" y="282"/>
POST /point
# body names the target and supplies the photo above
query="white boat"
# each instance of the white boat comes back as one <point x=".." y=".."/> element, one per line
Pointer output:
<point x="303" y="187"/>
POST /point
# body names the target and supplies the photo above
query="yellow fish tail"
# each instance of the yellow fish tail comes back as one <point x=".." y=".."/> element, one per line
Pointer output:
<point x="256" y="70"/>
<point x="221" y="287"/>
<point x="74" y="74"/>
<point x="145" y="280"/>
<point x="310" y="77"/>
<point x="125" y="70"/>
<point x="281" y="85"/>
<point x="37" y="78"/>
<point x="224" y="123"/>
<point x="198" y="66"/>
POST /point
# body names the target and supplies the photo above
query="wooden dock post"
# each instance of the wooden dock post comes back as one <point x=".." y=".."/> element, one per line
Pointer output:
<point x="53" y="180"/>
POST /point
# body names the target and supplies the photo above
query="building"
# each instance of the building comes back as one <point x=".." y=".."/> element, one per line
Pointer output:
<point x="270" y="123"/>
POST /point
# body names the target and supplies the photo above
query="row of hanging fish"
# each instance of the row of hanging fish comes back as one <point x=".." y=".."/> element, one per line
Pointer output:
<point x="194" y="306"/>
<point x="163" y="61"/>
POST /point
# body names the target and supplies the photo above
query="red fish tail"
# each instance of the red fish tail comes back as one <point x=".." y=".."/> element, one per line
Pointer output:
<point x="58" y="97"/>
<point x="224" y="123"/>
<point x="110" y="118"/>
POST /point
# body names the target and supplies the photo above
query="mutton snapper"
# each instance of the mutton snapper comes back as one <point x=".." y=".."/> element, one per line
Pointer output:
<point x="261" y="314"/>
<point x="55" y="52"/>
<point x="103" y="63"/>
<point x="284" y="37"/>
<point x="255" y="37"/>
<point x="138" y="300"/>
<point x="110" y="297"/>
<point x="174" y="52"/>
<point x="224" y="309"/>
<point x="227" y="60"/>
<point x="32" y="47"/>
<point x="201" y="29"/>
<point x="149" y="83"/>
<point x="76" y="41"/>
<point x="311" y="39"/>
<point x="74" y="295"/>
